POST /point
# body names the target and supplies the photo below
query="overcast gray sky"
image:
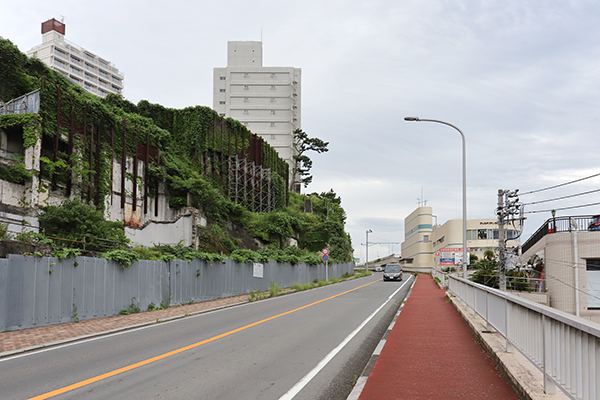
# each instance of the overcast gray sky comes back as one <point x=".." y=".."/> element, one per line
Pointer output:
<point x="521" y="79"/>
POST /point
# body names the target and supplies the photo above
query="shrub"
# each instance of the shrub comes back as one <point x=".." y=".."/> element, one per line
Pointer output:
<point x="84" y="224"/>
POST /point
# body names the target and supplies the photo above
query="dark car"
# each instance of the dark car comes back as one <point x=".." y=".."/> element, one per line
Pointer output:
<point x="392" y="272"/>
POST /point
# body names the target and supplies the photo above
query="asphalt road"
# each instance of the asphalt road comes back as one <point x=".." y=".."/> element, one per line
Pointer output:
<point x="307" y="345"/>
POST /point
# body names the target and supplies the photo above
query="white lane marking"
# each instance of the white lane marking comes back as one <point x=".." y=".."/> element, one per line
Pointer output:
<point x="290" y="394"/>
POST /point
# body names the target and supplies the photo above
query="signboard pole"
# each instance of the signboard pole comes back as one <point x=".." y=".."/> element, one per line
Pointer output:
<point x="325" y="252"/>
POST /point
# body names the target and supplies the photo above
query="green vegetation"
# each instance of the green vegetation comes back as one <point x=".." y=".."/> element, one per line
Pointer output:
<point x="486" y="273"/>
<point x="132" y="309"/>
<point x="81" y="225"/>
<point x="302" y="144"/>
<point x="275" y="290"/>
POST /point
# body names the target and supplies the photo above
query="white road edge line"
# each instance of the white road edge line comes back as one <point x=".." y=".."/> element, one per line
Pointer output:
<point x="290" y="394"/>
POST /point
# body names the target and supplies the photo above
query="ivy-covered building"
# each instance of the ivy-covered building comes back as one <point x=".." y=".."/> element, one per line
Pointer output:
<point x="164" y="173"/>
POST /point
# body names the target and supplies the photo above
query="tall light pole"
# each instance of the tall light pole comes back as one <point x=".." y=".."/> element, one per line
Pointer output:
<point x="435" y="244"/>
<point x="367" y="250"/>
<point x="464" y="179"/>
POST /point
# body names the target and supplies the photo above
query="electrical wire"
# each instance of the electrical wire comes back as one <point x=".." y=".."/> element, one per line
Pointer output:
<point x="562" y="208"/>
<point x="561" y="198"/>
<point x="559" y="185"/>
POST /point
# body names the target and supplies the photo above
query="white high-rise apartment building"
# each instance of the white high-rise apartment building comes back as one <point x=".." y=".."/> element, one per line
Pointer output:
<point x="82" y="67"/>
<point x="265" y="99"/>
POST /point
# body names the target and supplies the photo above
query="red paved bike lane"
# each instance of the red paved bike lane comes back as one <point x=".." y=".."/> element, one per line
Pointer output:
<point x="431" y="353"/>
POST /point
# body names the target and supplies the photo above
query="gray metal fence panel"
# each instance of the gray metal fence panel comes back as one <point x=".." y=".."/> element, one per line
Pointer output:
<point x="3" y="292"/>
<point x="39" y="291"/>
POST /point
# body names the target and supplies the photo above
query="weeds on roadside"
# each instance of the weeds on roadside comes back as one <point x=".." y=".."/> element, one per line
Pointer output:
<point x="133" y="308"/>
<point x="275" y="290"/>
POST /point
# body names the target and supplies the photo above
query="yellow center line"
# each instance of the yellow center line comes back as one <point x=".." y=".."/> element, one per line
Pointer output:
<point x="182" y="349"/>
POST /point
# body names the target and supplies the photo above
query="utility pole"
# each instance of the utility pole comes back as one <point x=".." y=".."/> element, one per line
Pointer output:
<point x="367" y="250"/>
<point x="501" y="241"/>
<point x="508" y="208"/>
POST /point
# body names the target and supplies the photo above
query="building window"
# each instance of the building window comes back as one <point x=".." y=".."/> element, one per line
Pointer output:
<point x="273" y="100"/>
<point x="482" y="234"/>
<point x="272" y="87"/>
<point x="246" y="100"/>
<point x="60" y="63"/>
<point x="272" y="137"/>
<point x="222" y="90"/>
<point x="246" y="87"/>
<point x="512" y="234"/>
<point x="425" y="238"/>
<point x="272" y="112"/>
<point x="272" y="124"/>
<point x="222" y="78"/>
<point x="222" y="102"/>
<point x="246" y="112"/>
<point x="60" y="52"/>
<point x="273" y="75"/>
<point x="222" y="114"/>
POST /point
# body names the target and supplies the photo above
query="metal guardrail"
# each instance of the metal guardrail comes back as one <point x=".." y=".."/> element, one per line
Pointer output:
<point x="562" y="224"/>
<point x="28" y="103"/>
<point x="566" y="349"/>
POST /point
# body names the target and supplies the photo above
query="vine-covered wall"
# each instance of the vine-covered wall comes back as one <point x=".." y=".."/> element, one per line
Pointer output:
<point x="81" y="135"/>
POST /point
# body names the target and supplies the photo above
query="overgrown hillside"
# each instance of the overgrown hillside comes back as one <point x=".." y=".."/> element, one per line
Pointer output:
<point x="187" y="151"/>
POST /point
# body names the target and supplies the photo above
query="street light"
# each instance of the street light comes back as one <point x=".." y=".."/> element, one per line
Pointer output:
<point x="464" y="179"/>
<point x="367" y="250"/>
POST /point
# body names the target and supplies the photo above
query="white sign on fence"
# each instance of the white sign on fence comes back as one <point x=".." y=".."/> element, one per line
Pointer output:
<point x="258" y="270"/>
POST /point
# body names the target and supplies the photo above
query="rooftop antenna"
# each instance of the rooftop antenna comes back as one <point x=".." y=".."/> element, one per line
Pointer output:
<point x="62" y="19"/>
<point x="421" y="201"/>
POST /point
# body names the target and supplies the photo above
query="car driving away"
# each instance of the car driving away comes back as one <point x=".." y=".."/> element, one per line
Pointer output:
<point x="392" y="272"/>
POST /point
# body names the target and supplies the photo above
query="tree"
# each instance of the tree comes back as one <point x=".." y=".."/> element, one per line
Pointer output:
<point x="303" y="164"/>
<point x="486" y="270"/>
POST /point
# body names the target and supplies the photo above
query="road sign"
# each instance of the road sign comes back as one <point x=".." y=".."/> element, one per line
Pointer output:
<point x="325" y="250"/>
<point x="325" y="257"/>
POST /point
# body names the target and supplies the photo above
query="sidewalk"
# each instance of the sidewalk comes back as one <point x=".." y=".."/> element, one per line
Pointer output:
<point x="431" y="353"/>
<point x="35" y="338"/>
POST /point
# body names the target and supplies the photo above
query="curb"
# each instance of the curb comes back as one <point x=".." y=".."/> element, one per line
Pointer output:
<point x="362" y="379"/>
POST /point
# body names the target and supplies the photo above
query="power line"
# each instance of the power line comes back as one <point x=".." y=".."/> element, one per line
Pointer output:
<point x="562" y="208"/>
<point x="561" y="198"/>
<point x="562" y="184"/>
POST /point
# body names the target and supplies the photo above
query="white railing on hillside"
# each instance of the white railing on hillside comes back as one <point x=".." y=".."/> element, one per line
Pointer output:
<point x="564" y="347"/>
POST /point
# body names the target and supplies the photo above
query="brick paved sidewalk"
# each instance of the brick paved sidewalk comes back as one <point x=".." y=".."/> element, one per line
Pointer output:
<point x="28" y="339"/>
<point x="431" y="353"/>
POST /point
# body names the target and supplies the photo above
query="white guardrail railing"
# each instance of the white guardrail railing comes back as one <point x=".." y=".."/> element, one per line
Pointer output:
<point x="565" y="348"/>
